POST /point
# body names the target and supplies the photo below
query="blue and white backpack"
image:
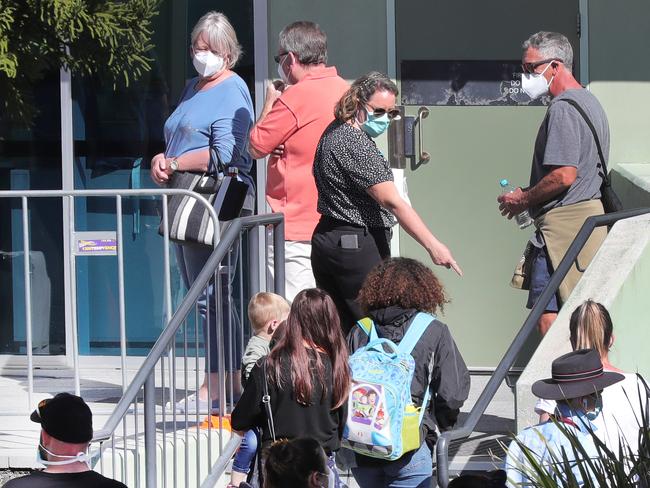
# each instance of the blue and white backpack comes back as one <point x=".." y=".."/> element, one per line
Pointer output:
<point x="382" y="420"/>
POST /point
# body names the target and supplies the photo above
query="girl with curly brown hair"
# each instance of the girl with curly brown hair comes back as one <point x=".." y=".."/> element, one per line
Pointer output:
<point x="394" y="292"/>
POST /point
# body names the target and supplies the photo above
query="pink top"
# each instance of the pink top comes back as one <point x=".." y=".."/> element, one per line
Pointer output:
<point x="297" y="120"/>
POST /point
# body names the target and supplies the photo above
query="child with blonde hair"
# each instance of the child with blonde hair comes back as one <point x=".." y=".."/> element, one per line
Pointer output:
<point x="266" y="311"/>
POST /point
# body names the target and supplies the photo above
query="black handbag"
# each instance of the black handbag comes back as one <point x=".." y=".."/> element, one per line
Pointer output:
<point x="188" y="219"/>
<point x="611" y="202"/>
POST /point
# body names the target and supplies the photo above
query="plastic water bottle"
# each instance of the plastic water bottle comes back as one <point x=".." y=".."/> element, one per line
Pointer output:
<point x="523" y="219"/>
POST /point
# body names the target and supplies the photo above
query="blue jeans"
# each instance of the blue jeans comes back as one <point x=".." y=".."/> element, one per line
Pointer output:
<point x="245" y="455"/>
<point x="541" y="272"/>
<point x="413" y="470"/>
<point x="191" y="259"/>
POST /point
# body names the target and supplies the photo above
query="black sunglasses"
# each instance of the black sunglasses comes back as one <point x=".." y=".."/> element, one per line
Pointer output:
<point x="379" y="112"/>
<point x="530" y="67"/>
<point x="278" y="57"/>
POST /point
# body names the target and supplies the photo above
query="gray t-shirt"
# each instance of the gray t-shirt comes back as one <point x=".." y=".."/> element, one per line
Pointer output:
<point x="564" y="139"/>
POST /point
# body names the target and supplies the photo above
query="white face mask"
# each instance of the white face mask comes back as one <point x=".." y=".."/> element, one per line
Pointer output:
<point x="81" y="457"/>
<point x="283" y="76"/>
<point x="207" y="63"/>
<point x="534" y="84"/>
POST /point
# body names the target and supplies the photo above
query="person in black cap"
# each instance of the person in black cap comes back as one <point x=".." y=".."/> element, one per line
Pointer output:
<point x="66" y="431"/>
<point x="576" y="385"/>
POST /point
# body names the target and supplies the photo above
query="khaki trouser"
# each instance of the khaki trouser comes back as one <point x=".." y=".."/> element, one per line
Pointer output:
<point x="559" y="227"/>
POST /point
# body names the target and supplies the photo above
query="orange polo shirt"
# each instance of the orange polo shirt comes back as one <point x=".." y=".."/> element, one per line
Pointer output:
<point x="297" y="120"/>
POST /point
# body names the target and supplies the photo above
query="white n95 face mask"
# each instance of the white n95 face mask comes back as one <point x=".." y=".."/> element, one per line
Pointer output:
<point x="207" y="63"/>
<point x="81" y="457"/>
<point x="534" y="84"/>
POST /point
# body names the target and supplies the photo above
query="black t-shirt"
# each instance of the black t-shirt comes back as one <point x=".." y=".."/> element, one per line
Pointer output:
<point x="291" y="419"/>
<point x="41" y="479"/>
<point x="346" y="164"/>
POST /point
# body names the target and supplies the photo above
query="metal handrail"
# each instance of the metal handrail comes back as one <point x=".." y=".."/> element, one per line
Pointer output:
<point x="69" y="196"/>
<point x="502" y="370"/>
<point x="159" y="349"/>
<point x="221" y="463"/>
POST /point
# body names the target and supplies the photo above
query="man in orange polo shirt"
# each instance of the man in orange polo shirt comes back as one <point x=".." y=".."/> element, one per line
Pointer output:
<point x="295" y="114"/>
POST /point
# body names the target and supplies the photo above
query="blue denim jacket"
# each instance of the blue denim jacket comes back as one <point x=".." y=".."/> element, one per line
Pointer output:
<point x="547" y="442"/>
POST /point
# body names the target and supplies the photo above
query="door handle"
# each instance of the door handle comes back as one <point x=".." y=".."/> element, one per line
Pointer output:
<point x="423" y="156"/>
<point x="397" y="140"/>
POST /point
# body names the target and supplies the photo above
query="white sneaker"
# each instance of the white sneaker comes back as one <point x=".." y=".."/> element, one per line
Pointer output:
<point x="192" y="405"/>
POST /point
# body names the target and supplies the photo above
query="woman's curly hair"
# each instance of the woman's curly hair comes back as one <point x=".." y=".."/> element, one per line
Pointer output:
<point x="402" y="282"/>
<point x="360" y="92"/>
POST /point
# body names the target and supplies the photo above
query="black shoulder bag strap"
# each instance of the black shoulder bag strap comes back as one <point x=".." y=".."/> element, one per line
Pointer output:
<point x="266" y="400"/>
<point x="602" y="165"/>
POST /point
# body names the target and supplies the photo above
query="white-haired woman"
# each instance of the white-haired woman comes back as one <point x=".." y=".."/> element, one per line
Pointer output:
<point x="214" y="111"/>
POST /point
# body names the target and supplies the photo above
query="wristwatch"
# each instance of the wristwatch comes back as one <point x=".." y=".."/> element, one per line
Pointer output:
<point x="174" y="165"/>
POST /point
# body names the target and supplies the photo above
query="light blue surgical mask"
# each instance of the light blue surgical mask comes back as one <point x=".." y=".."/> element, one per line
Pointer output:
<point x="375" y="126"/>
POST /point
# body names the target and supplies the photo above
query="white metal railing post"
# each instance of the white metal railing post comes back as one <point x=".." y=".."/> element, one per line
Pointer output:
<point x="74" y="332"/>
<point x="120" y="288"/>
<point x="151" y="472"/>
<point x="261" y="58"/>
<point x="28" y="304"/>
<point x="67" y="184"/>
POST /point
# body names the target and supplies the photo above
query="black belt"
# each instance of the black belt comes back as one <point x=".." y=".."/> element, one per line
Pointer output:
<point x="333" y="222"/>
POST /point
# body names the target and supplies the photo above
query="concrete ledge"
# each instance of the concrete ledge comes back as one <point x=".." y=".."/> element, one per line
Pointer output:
<point x="637" y="173"/>
<point x="627" y="244"/>
<point x="631" y="181"/>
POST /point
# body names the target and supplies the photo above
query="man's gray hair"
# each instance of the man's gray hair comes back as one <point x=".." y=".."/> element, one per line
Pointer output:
<point x="551" y="45"/>
<point x="220" y="36"/>
<point x="306" y="40"/>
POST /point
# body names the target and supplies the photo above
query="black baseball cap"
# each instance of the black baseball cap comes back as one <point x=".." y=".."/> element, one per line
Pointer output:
<point x="65" y="417"/>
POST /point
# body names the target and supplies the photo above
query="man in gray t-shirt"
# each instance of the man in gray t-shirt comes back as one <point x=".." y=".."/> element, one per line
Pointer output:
<point x="565" y="140"/>
<point x="565" y="170"/>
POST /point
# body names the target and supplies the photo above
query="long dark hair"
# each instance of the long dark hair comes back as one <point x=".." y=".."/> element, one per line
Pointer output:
<point x="313" y="322"/>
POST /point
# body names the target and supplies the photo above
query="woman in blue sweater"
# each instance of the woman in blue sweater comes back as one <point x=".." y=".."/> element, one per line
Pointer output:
<point x="214" y="111"/>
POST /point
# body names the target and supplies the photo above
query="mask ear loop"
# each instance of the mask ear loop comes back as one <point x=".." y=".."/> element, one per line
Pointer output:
<point x="552" y="77"/>
<point x="80" y="457"/>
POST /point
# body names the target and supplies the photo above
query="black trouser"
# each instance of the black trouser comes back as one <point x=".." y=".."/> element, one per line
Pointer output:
<point x="340" y="267"/>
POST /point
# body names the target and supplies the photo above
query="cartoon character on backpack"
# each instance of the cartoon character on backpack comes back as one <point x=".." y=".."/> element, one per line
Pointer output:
<point x="382" y="420"/>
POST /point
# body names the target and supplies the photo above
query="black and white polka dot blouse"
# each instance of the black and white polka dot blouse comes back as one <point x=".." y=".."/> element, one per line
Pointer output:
<point x="347" y="162"/>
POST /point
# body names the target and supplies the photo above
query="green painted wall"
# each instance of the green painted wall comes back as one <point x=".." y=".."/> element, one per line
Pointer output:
<point x="619" y="47"/>
<point x="472" y="148"/>
<point x="619" y="73"/>
<point x="356" y="40"/>
<point x="631" y="316"/>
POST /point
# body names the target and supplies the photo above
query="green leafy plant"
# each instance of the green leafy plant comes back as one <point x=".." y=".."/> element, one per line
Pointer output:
<point x="110" y="38"/>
